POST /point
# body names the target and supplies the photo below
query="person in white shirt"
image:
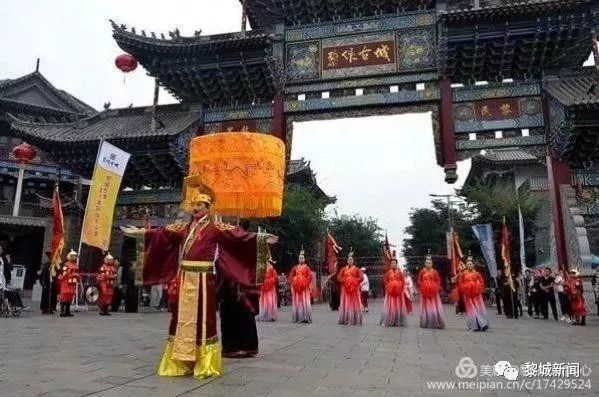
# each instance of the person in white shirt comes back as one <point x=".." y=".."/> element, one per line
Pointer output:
<point x="408" y="288"/>
<point x="365" y="289"/>
<point x="564" y="301"/>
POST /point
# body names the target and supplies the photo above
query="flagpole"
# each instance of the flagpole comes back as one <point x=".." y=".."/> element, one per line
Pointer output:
<point x="83" y="223"/>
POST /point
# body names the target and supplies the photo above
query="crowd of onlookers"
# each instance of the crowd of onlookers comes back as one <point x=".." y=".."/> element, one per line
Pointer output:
<point x="545" y="289"/>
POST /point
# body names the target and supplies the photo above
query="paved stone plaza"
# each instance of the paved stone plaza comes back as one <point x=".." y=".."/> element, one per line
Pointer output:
<point x="90" y="355"/>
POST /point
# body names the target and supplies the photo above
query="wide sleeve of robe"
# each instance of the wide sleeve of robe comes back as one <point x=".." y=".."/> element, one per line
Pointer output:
<point x="242" y="256"/>
<point x="158" y="254"/>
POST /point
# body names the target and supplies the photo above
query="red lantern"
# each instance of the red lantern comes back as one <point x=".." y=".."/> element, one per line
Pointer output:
<point x="126" y="63"/>
<point x="24" y="153"/>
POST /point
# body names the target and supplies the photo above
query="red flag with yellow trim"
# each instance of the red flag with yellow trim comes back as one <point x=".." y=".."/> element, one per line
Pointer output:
<point x="456" y="254"/>
<point x="506" y="249"/>
<point x="57" y="232"/>
<point x="332" y="249"/>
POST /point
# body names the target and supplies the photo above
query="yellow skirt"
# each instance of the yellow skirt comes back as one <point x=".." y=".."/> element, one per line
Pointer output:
<point x="208" y="362"/>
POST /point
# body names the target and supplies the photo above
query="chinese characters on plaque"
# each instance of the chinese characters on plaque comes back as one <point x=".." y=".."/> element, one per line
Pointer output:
<point x="498" y="109"/>
<point x="364" y="54"/>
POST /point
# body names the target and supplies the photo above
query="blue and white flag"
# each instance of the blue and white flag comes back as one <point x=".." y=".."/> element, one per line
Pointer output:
<point x="484" y="234"/>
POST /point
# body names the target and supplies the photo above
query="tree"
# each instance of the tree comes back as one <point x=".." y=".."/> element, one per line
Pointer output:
<point x="302" y="223"/>
<point x="428" y="231"/>
<point x="491" y="201"/>
<point x="364" y="235"/>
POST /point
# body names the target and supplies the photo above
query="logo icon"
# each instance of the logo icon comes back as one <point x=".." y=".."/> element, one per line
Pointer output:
<point x="466" y="369"/>
<point x="501" y="366"/>
<point x="505" y="369"/>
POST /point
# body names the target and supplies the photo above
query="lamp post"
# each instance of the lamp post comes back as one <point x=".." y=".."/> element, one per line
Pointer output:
<point x="449" y="208"/>
<point x="24" y="154"/>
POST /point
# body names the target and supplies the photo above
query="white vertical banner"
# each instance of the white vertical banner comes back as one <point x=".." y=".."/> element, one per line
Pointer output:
<point x="522" y="249"/>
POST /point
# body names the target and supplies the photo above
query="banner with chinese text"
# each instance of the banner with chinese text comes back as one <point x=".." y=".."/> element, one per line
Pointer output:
<point x="106" y="181"/>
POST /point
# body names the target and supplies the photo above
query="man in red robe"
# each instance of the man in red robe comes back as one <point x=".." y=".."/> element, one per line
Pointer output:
<point x="68" y="278"/>
<point x="106" y="279"/>
<point x="190" y="249"/>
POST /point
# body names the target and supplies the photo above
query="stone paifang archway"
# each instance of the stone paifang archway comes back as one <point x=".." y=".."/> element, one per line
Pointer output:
<point x="302" y="62"/>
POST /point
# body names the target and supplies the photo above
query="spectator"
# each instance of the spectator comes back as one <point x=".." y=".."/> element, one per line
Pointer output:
<point x="546" y="283"/>
<point x="49" y="287"/>
<point x="118" y="287"/>
<point x="365" y="289"/>
<point x="527" y="281"/>
<point x="12" y="296"/>
<point x="6" y="264"/>
<point x="564" y="300"/>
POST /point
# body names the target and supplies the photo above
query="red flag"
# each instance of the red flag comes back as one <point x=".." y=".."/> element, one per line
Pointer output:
<point x="456" y="255"/>
<point x="387" y="254"/>
<point x="57" y="232"/>
<point x="332" y="249"/>
<point x="506" y="249"/>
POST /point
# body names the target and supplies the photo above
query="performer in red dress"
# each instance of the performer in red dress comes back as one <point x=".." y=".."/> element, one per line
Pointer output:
<point x="395" y="313"/>
<point x="471" y="285"/>
<point x="106" y="281"/>
<point x="576" y="292"/>
<point x="300" y="279"/>
<point x="350" y="278"/>
<point x="268" y="295"/>
<point x="431" y="308"/>
<point x="190" y="248"/>
<point x="68" y="279"/>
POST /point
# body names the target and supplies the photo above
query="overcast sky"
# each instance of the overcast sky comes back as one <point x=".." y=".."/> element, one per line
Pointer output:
<point x="376" y="166"/>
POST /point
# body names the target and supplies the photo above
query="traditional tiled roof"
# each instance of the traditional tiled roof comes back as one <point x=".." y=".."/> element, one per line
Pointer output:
<point x="126" y="123"/>
<point x="498" y="159"/>
<point x="299" y="171"/>
<point x="218" y="70"/>
<point x="520" y="40"/>
<point x="576" y="88"/>
<point x="506" y="156"/>
<point x="265" y="13"/>
<point x="465" y="10"/>
<point x="10" y="88"/>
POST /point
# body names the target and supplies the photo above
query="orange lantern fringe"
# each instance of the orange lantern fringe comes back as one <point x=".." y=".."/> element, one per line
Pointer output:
<point x="245" y="170"/>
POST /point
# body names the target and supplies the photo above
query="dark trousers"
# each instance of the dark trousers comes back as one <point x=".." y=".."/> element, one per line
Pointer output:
<point x="564" y="303"/>
<point x="131" y="299"/>
<point x="238" y="328"/>
<point x="548" y="299"/>
<point x="510" y="302"/>
<point x="529" y="305"/>
<point x="117" y="298"/>
<point x="498" y="300"/>
<point x="537" y="301"/>
<point x="49" y="299"/>
<point x="365" y="299"/>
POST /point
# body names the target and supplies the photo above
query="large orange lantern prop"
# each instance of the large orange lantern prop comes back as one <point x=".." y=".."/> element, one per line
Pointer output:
<point x="244" y="170"/>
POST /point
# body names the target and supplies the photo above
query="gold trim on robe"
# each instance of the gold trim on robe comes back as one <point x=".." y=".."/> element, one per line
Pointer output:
<point x="184" y="345"/>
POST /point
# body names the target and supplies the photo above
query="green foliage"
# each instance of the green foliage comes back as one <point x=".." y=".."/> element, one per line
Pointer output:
<point x="363" y="234"/>
<point x="301" y="223"/>
<point x="428" y="230"/>
<point x="492" y="201"/>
